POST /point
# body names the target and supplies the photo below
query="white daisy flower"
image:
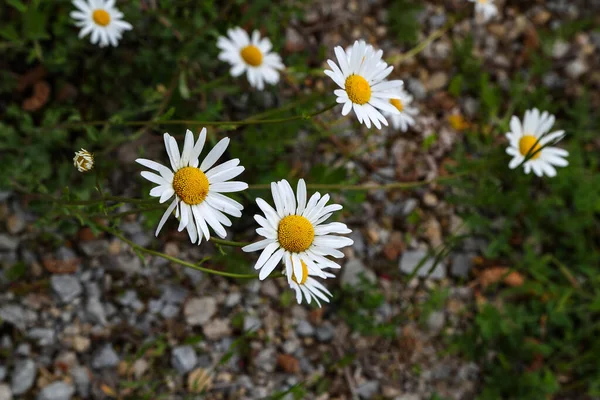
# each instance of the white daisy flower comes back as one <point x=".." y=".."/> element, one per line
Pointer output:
<point x="250" y="55"/>
<point x="83" y="160"/>
<point x="100" y="18"/>
<point x="360" y="76"/>
<point x="486" y="8"/>
<point x="405" y="118"/>
<point x="294" y="231"/>
<point x="309" y="288"/>
<point x="532" y="136"/>
<point x="198" y="187"/>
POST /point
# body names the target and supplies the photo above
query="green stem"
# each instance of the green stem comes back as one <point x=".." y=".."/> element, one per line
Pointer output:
<point x="228" y="242"/>
<point x="175" y="259"/>
<point x="192" y="122"/>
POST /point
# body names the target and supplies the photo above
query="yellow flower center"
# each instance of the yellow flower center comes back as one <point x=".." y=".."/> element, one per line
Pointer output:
<point x="398" y="104"/>
<point x="304" y="274"/>
<point x="191" y="185"/>
<point x="101" y="17"/>
<point x="295" y="233"/>
<point x="252" y="55"/>
<point x="528" y="144"/>
<point x="358" y="89"/>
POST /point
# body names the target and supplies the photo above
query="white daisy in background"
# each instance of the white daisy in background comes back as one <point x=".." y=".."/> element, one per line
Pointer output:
<point x="83" y="160"/>
<point x="360" y="76"/>
<point x="250" y="55"/>
<point x="405" y="118"/>
<point x="531" y="138"/>
<point x="100" y="18"/>
<point x="309" y="288"/>
<point x="198" y="187"/>
<point x="294" y="231"/>
<point x="486" y="8"/>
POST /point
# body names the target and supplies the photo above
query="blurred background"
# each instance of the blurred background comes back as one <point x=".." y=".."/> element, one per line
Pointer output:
<point x="482" y="284"/>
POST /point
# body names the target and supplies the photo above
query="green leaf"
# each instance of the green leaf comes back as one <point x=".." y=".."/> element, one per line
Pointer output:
<point x="19" y="5"/>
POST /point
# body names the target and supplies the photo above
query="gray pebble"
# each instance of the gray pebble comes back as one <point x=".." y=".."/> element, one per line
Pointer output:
<point x="325" y="332"/>
<point x="368" y="389"/>
<point x="354" y="271"/>
<point x="17" y="315"/>
<point x="66" y="287"/>
<point x="198" y="311"/>
<point x="8" y="243"/>
<point x="95" y="311"/>
<point x="23" y="376"/>
<point x="44" y="336"/>
<point x="2" y="372"/>
<point x="169" y="311"/>
<point x="436" y="321"/>
<point x="266" y="359"/>
<point x="81" y="378"/>
<point x="411" y="259"/>
<point x="106" y="357"/>
<point x="233" y="299"/>
<point x="304" y="328"/>
<point x="5" y="392"/>
<point x="183" y="359"/>
<point x="56" y="391"/>
<point x="461" y="264"/>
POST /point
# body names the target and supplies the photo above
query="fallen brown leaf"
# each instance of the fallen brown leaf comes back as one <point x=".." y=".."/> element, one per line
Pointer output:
<point x="493" y="275"/>
<point x="288" y="363"/>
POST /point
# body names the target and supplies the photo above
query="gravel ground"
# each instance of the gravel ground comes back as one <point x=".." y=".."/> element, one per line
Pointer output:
<point x="89" y="316"/>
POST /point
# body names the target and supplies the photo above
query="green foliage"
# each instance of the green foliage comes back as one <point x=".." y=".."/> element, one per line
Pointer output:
<point x="358" y="306"/>
<point x="402" y="20"/>
<point x="534" y="341"/>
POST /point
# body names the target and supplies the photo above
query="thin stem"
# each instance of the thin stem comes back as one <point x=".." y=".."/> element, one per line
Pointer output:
<point x="228" y="242"/>
<point x="175" y="259"/>
<point x="192" y="122"/>
<point x="400" y="58"/>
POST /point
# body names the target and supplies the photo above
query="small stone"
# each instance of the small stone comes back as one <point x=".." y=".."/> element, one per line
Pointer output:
<point x="416" y="88"/>
<point x="2" y="372"/>
<point x="437" y="81"/>
<point x="560" y="48"/>
<point x="43" y="336"/>
<point x="17" y="315"/>
<point x="291" y="345"/>
<point x="269" y="289"/>
<point x="23" y="349"/>
<point x="576" y="68"/>
<point x="433" y="232"/>
<point x="140" y="366"/>
<point x="217" y="329"/>
<point x="198" y="311"/>
<point x="23" y="376"/>
<point x="430" y="199"/>
<point x="541" y="17"/>
<point x="325" y="332"/>
<point x="56" y="391"/>
<point x="354" y="270"/>
<point x="94" y="248"/>
<point x="436" y="321"/>
<point x="95" y="311"/>
<point x="169" y="311"/>
<point x="462" y="264"/>
<point x="368" y="389"/>
<point x="266" y="359"/>
<point x="183" y="359"/>
<point x="66" y="287"/>
<point x="251" y="323"/>
<point x="409" y="206"/>
<point x="304" y="328"/>
<point x="5" y="392"/>
<point x="81" y="343"/>
<point x="409" y="396"/>
<point x="8" y="243"/>
<point x="174" y="294"/>
<point x="81" y="378"/>
<point x="15" y="224"/>
<point x="106" y="357"/>
<point x="410" y="260"/>
<point x="233" y="299"/>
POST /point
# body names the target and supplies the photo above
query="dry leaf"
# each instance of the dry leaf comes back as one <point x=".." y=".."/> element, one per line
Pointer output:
<point x="107" y="390"/>
<point x="41" y="93"/>
<point x="458" y="122"/>
<point x="199" y="380"/>
<point x="494" y="275"/>
<point x="288" y="363"/>
<point x="55" y="266"/>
